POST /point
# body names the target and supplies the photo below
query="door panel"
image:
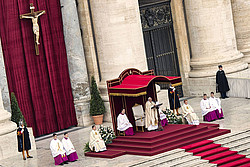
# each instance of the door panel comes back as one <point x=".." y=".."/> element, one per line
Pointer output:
<point x="159" y="39"/>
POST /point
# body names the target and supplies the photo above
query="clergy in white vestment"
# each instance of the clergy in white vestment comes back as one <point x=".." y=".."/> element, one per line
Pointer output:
<point x="215" y="104"/>
<point x="163" y="117"/>
<point x="123" y="124"/>
<point x="69" y="148"/>
<point x="207" y="112"/>
<point x="151" y="115"/>
<point x="189" y="114"/>
<point x="57" y="151"/>
<point x="96" y="142"/>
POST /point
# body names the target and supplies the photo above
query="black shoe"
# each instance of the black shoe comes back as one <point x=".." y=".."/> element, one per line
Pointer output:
<point x="223" y="97"/>
<point x="221" y="118"/>
<point x="24" y="158"/>
<point x="61" y="164"/>
<point x="29" y="157"/>
<point x="226" y="97"/>
<point x="65" y="162"/>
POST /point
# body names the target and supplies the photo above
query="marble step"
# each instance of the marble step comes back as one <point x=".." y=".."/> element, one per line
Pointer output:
<point x="167" y="156"/>
<point x="228" y="136"/>
<point x="247" y="153"/>
<point x="241" y="148"/>
<point x="200" y="163"/>
<point x="235" y="139"/>
<point x="236" y="142"/>
<point x="178" y="162"/>
<point x="238" y="145"/>
<point x="171" y="158"/>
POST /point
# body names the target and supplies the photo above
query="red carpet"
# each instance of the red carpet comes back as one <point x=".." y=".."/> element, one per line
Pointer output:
<point x="152" y="143"/>
<point x="216" y="154"/>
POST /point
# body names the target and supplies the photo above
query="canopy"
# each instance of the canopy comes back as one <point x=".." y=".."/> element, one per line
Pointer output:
<point x="133" y="87"/>
<point x="136" y="85"/>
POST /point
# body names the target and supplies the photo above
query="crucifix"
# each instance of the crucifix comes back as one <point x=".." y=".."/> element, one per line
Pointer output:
<point x="34" y="17"/>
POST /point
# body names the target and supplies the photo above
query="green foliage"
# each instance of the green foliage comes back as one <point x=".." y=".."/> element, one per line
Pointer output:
<point x="86" y="147"/>
<point x="96" y="103"/>
<point x="16" y="114"/>
<point x="172" y="118"/>
<point x="107" y="134"/>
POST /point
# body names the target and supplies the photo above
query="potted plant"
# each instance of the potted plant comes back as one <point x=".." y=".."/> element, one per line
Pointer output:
<point x="97" y="108"/>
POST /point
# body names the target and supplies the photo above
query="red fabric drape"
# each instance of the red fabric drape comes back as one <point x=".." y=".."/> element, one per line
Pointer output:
<point x="41" y="83"/>
<point x="120" y="102"/>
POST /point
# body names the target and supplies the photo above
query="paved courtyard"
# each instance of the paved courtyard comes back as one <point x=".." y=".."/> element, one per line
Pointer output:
<point x="236" y="114"/>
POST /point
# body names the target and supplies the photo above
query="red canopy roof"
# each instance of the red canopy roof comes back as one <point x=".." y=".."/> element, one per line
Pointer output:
<point x="137" y="84"/>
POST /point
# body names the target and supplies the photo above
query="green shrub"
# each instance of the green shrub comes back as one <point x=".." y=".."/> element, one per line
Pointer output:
<point x="86" y="147"/>
<point x="96" y="103"/>
<point x="16" y="114"/>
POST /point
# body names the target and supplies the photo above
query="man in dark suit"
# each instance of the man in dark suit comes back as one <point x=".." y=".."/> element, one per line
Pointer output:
<point x="221" y="83"/>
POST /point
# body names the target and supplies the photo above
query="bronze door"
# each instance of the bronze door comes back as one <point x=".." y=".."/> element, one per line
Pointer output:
<point x="159" y="40"/>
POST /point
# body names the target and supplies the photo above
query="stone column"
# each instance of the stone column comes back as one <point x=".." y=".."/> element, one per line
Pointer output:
<point x="76" y="61"/>
<point x="3" y="82"/>
<point x="119" y="36"/>
<point x="8" y="137"/>
<point x="212" y="37"/>
<point x="87" y="37"/>
<point x="241" y="15"/>
<point x="181" y="38"/>
<point x="119" y="39"/>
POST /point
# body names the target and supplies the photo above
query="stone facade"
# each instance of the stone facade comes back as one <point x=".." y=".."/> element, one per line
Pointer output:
<point x="241" y="15"/>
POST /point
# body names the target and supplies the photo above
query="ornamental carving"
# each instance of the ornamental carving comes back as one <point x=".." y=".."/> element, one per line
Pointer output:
<point x="153" y="16"/>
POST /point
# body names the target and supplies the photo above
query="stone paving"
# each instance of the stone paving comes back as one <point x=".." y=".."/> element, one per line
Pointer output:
<point x="236" y="112"/>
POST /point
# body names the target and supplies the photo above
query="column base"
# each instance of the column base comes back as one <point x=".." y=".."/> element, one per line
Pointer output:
<point x="246" y="57"/>
<point x="8" y="136"/>
<point x="82" y="112"/>
<point x="203" y="69"/>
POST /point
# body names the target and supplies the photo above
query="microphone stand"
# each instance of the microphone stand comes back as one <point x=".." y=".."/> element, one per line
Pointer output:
<point x="160" y="128"/>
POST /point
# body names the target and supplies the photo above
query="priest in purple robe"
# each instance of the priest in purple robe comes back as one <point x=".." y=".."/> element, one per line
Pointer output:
<point x="69" y="148"/>
<point x="123" y="124"/>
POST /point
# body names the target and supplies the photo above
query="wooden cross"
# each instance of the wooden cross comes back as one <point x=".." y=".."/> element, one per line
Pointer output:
<point x="34" y="17"/>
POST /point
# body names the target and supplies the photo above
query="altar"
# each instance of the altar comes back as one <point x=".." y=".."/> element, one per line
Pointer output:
<point x="133" y="87"/>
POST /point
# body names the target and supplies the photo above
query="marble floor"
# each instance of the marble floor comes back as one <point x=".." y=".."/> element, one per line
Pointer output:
<point x="236" y="114"/>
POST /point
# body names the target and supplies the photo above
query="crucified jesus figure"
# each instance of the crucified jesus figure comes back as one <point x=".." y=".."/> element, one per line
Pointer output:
<point x="34" y="17"/>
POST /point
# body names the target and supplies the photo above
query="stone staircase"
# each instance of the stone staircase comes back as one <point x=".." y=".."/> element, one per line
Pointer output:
<point x="174" y="158"/>
<point x="239" y="141"/>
